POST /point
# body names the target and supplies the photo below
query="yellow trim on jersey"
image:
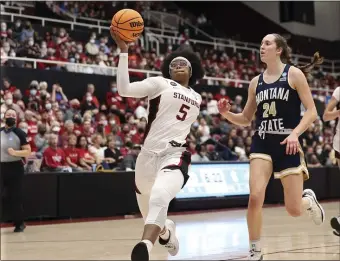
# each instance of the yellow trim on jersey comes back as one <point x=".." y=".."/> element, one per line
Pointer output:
<point x="301" y="169"/>
<point x="260" y="156"/>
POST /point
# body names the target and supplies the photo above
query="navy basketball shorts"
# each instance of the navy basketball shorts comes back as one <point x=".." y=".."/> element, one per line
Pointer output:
<point x="284" y="164"/>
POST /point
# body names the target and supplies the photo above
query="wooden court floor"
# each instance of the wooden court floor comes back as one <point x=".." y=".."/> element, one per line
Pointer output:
<point x="218" y="235"/>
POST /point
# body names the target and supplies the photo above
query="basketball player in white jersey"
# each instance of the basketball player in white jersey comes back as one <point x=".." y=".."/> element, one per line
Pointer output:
<point x="332" y="112"/>
<point x="162" y="166"/>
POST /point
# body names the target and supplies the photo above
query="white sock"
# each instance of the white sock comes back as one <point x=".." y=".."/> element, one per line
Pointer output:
<point x="306" y="203"/>
<point x="255" y="245"/>
<point x="165" y="235"/>
<point x="148" y="244"/>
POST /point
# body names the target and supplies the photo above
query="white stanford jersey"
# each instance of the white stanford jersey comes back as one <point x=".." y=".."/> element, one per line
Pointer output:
<point x="172" y="108"/>
<point x="336" y="140"/>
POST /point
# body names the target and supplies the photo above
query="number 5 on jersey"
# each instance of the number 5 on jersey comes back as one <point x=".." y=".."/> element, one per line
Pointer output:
<point x="183" y="112"/>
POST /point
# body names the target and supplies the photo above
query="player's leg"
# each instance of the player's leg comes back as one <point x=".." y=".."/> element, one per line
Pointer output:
<point x="167" y="184"/>
<point x="335" y="221"/>
<point x="260" y="172"/>
<point x="292" y="171"/>
<point x="145" y="176"/>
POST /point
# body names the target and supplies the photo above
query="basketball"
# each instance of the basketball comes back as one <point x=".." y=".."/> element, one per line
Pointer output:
<point x="129" y="24"/>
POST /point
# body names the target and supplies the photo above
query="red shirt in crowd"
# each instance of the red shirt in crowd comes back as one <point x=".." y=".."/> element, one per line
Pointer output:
<point x="85" y="154"/>
<point x="54" y="158"/>
<point x="73" y="154"/>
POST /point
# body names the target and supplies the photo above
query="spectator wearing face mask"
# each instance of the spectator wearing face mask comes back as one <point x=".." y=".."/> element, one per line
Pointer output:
<point x="9" y="104"/>
<point x="88" y="104"/>
<point x="91" y="47"/>
<point x="40" y="140"/>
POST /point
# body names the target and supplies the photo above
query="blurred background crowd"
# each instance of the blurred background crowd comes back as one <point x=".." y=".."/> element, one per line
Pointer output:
<point x="76" y="132"/>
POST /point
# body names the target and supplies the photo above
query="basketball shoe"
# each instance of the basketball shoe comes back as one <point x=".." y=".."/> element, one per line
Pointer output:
<point x="315" y="211"/>
<point x="335" y="223"/>
<point x="254" y="255"/>
<point x="140" y="252"/>
<point x="172" y="243"/>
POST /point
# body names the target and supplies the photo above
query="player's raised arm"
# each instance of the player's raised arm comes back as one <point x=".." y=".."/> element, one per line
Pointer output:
<point x="245" y="117"/>
<point x="139" y="89"/>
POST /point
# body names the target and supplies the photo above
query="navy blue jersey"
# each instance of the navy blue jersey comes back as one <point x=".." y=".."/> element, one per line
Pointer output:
<point x="278" y="105"/>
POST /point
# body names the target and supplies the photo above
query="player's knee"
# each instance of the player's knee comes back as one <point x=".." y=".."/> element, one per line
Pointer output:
<point x="158" y="207"/>
<point x="256" y="199"/>
<point x="159" y="197"/>
<point x="294" y="210"/>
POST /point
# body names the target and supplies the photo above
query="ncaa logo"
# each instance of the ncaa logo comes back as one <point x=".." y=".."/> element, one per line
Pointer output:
<point x="173" y="83"/>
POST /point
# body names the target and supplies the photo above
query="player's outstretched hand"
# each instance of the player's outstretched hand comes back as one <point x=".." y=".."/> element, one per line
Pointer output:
<point x="292" y="142"/>
<point x="223" y="106"/>
<point x="120" y="43"/>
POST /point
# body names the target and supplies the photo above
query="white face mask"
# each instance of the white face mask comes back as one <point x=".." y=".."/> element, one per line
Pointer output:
<point x="92" y="41"/>
<point x="112" y="122"/>
<point x="12" y="54"/>
<point x="24" y="130"/>
<point x="89" y="98"/>
<point x="33" y="92"/>
<point x="56" y="129"/>
<point x="30" y="43"/>
<point x="9" y="101"/>
<point x="48" y="106"/>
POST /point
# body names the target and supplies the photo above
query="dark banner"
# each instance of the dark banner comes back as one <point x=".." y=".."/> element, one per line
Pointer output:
<point x="85" y="195"/>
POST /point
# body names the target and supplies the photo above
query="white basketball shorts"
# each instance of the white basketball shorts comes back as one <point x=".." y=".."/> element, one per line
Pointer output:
<point x="149" y="165"/>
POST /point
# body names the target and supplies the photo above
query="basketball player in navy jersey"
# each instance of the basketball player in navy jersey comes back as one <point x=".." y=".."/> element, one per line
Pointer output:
<point x="162" y="166"/>
<point x="276" y="96"/>
<point x="332" y="112"/>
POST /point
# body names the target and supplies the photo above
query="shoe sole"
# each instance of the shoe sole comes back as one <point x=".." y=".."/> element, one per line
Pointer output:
<point x="173" y="232"/>
<point x="140" y="252"/>
<point x="311" y="193"/>
<point x="335" y="224"/>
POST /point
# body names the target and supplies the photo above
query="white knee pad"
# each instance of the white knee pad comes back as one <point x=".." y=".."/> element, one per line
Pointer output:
<point x="158" y="207"/>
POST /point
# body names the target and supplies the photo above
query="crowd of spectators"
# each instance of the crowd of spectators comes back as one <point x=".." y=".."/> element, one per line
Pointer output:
<point x="21" y="40"/>
<point x="73" y="133"/>
<point x="77" y="132"/>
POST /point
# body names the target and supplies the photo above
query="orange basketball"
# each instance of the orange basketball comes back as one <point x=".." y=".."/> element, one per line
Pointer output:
<point x="129" y="24"/>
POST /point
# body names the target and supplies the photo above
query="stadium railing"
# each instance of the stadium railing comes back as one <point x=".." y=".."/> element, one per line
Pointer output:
<point x="331" y="66"/>
<point x="112" y="71"/>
